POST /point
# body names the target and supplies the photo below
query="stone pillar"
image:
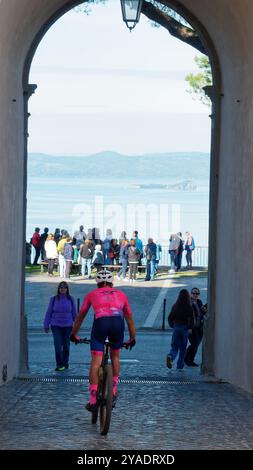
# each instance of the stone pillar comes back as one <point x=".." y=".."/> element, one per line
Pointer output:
<point x="28" y="90"/>
<point x="209" y="328"/>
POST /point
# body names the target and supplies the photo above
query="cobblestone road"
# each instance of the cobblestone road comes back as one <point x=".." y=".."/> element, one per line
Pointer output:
<point x="158" y="408"/>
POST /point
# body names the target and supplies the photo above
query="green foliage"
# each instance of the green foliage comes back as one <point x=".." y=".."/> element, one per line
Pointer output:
<point x="86" y="6"/>
<point x="171" y="13"/>
<point x="201" y="79"/>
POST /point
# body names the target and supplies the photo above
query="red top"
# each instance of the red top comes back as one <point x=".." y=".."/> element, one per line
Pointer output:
<point x="36" y="240"/>
<point x="106" y="302"/>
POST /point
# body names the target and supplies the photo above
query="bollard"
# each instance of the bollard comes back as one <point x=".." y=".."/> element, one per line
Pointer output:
<point x="164" y="312"/>
<point x="78" y="304"/>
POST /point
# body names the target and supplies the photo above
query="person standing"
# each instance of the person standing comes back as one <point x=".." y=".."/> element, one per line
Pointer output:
<point x="181" y="319"/>
<point x="189" y="247"/>
<point x="158" y="255"/>
<point x="51" y="253"/>
<point x="150" y="251"/>
<point x="68" y="253"/>
<point x="86" y="254"/>
<point x="98" y="258"/>
<point x="178" y="257"/>
<point x="173" y="247"/>
<point x="133" y="260"/>
<point x="196" y="335"/>
<point x="60" y="248"/>
<point x="123" y="259"/>
<point x="80" y="236"/>
<point x="36" y="243"/>
<point x="43" y="239"/>
<point x="60" y="316"/>
<point x="106" y="246"/>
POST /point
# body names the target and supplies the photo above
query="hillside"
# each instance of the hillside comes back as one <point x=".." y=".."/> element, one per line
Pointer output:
<point x="113" y="165"/>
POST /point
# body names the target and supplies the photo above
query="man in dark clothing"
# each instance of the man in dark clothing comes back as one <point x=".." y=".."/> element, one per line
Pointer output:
<point x="150" y="251"/>
<point x="43" y="238"/>
<point x="197" y="331"/>
<point x="36" y="243"/>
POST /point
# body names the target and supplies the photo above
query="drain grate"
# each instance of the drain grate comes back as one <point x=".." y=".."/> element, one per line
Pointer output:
<point x="144" y="381"/>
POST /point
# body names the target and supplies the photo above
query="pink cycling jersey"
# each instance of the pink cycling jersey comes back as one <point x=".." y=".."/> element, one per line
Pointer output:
<point x="106" y="302"/>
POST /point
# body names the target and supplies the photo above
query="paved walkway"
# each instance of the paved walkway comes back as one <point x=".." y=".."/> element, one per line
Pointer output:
<point x="158" y="408"/>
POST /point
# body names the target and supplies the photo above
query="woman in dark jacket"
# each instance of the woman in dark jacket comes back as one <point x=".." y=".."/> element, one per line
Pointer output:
<point x="181" y="319"/>
<point x="60" y="315"/>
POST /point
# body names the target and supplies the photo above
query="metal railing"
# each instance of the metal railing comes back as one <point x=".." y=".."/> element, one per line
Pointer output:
<point x="199" y="257"/>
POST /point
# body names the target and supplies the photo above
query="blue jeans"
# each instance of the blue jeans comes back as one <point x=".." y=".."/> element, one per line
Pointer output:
<point x="179" y="343"/>
<point x="189" y="257"/>
<point x="61" y="336"/>
<point x="150" y="270"/>
<point x="123" y="269"/>
<point x="173" y="254"/>
<point x="86" y="262"/>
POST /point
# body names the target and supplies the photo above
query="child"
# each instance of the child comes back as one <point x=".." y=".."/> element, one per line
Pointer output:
<point x="98" y="258"/>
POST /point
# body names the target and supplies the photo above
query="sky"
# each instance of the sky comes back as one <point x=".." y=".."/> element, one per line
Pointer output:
<point x="101" y="87"/>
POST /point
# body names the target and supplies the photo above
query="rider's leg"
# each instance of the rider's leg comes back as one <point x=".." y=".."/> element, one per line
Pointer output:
<point x="115" y="368"/>
<point x="96" y="360"/>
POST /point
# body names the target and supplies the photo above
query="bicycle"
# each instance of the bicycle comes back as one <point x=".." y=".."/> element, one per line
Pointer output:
<point x="105" y="390"/>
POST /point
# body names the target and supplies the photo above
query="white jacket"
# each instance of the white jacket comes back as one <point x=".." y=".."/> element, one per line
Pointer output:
<point x="51" y="249"/>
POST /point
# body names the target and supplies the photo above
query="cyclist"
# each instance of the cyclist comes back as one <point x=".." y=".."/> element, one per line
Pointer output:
<point x="110" y="307"/>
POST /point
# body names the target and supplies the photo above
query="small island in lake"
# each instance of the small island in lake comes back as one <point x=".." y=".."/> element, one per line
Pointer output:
<point x="186" y="185"/>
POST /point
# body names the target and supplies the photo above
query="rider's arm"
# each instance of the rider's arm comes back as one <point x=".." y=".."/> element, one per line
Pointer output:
<point x="129" y="318"/>
<point x="81" y="315"/>
<point x="131" y="326"/>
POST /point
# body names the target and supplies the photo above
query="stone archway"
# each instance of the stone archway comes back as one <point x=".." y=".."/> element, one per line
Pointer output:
<point x="229" y="348"/>
<point x="214" y="95"/>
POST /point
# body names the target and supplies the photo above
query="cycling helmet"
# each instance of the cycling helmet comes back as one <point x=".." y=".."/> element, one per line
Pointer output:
<point x="104" y="276"/>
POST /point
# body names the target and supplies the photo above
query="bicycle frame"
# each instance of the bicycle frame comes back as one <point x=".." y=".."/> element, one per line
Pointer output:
<point x="105" y="390"/>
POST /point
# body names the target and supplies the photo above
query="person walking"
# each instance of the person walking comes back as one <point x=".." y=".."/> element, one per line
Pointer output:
<point x="196" y="335"/>
<point x="60" y="316"/>
<point x="181" y="319"/>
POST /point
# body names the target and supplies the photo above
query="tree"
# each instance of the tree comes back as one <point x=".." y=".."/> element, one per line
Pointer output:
<point x="158" y="12"/>
<point x="201" y="79"/>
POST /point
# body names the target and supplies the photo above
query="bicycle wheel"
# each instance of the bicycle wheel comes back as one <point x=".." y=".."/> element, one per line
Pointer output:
<point x="94" y="415"/>
<point x="106" y="400"/>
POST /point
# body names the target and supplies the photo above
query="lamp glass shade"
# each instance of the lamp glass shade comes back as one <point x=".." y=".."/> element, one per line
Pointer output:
<point x="131" y="10"/>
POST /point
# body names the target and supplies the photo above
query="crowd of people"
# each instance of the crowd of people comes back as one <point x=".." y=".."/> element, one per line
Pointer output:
<point x="111" y="311"/>
<point x="87" y="250"/>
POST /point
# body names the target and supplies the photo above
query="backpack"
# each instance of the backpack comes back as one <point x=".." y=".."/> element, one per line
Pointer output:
<point x="193" y="244"/>
<point x="68" y="251"/>
<point x="111" y="254"/>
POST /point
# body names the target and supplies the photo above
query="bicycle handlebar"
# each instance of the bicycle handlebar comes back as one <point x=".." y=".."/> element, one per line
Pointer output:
<point x="84" y="340"/>
<point x="87" y="341"/>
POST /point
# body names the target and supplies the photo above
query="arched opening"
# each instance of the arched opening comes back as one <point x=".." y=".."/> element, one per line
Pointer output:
<point x="207" y="364"/>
